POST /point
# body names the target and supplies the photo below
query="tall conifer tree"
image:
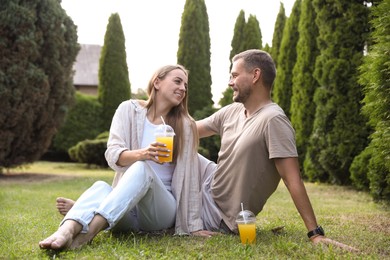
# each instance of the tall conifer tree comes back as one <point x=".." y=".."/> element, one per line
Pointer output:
<point x="238" y="36"/>
<point x="114" y="84"/>
<point x="302" y="109"/>
<point x="252" y="33"/>
<point x="194" y="53"/>
<point x="237" y="46"/>
<point x="247" y="35"/>
<point x="339" y="130"/>
<point x="278" y="33"/>
<point x="287" y="57"/>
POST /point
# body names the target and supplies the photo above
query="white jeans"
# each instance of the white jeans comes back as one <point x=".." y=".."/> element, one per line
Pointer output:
<point x="140" y="201"/>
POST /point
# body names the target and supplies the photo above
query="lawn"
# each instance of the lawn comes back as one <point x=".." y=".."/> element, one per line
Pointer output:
<point x="28" y="214"/>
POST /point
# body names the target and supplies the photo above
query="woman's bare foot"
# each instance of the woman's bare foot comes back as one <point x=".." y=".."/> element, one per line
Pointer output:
<point x="98" y="223"/>
<point x="58" y="240"/>
<point x="64" y="205"/>
<point x="63" y="237"/>
<point x="80" y="240"/>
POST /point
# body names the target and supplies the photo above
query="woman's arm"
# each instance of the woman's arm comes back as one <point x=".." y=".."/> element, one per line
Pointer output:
<point x="128" y="157"/>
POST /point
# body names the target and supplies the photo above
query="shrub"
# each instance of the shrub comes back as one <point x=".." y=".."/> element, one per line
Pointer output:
<point x="83" y="122"/>
<point x="91" y="151"/>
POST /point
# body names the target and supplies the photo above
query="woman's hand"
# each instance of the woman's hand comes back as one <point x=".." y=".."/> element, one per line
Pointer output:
<point x="128" y="157"/>
<point x="153" y="151"/>
<point x="327" y="241"/>
<point x="204" y="233"/>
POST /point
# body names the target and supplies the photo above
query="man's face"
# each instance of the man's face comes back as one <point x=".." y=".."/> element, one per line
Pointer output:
<point x="240" y="81"/>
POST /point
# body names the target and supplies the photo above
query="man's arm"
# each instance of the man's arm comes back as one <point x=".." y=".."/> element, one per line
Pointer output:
<point x="288" y="169"/>
<point x="203" y="130"/>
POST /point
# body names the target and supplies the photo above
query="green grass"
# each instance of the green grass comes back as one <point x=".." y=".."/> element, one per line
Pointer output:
<point x="28" y="215"/>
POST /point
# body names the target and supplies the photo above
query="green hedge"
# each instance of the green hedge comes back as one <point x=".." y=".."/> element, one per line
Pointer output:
<point x="82" y="122"/>
<point x="91" y="151"/>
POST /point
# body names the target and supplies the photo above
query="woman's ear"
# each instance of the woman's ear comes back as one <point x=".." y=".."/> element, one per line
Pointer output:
<point x="155" y="84"/>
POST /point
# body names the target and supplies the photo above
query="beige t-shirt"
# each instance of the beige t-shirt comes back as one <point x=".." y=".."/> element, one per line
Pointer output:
<point x="246" y="172"/>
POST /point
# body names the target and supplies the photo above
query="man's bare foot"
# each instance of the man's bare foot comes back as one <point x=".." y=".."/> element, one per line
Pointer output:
<point x="64" y="205"/>
<point x="61" y="239"/>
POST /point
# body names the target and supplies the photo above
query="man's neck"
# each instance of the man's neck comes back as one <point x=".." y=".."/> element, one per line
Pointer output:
<point x="253" y="107"/>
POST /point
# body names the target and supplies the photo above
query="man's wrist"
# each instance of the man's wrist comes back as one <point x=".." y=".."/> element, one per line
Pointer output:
<point x="318" y="231"/>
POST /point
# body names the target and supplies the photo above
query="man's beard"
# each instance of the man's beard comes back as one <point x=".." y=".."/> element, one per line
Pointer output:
<point x="242" y="95"/>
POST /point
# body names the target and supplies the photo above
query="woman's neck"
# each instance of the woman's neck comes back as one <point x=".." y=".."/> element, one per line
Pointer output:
<point x="154" y="115"/>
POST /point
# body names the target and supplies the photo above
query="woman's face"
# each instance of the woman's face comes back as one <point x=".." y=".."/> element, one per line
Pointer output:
<point x="173" y="87"/>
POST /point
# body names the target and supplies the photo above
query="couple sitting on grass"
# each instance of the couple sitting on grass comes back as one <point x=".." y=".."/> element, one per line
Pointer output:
<point x="192" y="194"/>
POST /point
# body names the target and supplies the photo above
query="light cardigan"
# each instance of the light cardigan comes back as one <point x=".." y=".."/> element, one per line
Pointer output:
<point x="126" y="134"/>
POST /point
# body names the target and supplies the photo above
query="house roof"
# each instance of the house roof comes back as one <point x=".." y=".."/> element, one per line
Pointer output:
<point x="86" y="66"/>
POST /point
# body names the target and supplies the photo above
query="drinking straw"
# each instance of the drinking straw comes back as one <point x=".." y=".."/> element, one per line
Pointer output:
<point x="162" y="120"/>
<point x="243" y="213"/>
<point x="165" y="128"/>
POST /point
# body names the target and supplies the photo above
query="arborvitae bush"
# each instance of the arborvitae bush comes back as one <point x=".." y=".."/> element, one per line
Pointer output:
<point x="304" y="84"/>
<point x="359" y="169"/>
<point x="375" y="75"/>
<point x="339" y="130"/>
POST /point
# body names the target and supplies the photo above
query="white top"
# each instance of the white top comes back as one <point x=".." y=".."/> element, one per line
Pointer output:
<point x="164" y="171"/>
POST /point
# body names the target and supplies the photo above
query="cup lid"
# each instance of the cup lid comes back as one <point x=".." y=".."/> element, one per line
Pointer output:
<point x="245" y="216"/>
<point x="165" y="129"/>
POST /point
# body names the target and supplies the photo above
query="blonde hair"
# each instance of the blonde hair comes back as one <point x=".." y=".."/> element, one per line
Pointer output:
<point x="178" y="116"/>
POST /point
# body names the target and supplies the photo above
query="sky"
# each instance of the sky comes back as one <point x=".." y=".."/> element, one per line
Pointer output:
<point x="152" y="28"/>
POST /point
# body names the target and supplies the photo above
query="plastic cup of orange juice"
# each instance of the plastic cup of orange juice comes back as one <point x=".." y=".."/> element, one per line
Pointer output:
<point x="165" y="134"/>
<point x="246" y="222"/>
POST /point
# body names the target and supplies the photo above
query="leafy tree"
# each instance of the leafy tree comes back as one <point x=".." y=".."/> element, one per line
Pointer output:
<point x="287" y="57"/>
<point x="114" y="85"/>
<point x="278" y="33"/>
<point x="247" y="35"/>
<point x="339" y="130"/>
<point x="303" y="82"/>
<point x="194" y="53"/>
<point x="375" y="75"/>
<point x="38" y="45"/>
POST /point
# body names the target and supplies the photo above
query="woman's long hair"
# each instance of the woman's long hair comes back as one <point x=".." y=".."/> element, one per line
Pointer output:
<point x="178" y="116"/>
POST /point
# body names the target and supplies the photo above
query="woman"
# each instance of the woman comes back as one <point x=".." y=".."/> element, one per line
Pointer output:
<point x="145" y="195"/>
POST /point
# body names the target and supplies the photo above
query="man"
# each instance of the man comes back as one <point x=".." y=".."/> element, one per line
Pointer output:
<point x="257" y="150"/>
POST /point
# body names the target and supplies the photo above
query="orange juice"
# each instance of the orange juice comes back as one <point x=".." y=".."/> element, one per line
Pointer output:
<point x="168" y="140"/>
<point x="247" y="233"/>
